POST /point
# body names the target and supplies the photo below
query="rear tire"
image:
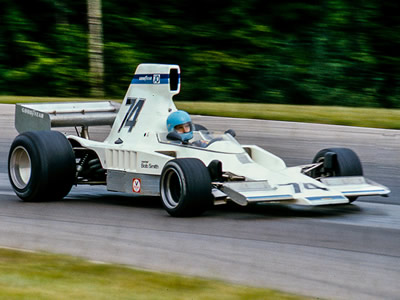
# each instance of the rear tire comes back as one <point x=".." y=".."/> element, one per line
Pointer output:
<point x="41" y="166"/>
<point x="345" y="162"/>
<point x="185" y="187"/>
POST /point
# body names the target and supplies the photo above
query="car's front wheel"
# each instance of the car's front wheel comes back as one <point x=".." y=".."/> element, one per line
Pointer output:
<point x="185" y="187"/>
<point x="337" y="162"/>
<point x="41" y="165"/>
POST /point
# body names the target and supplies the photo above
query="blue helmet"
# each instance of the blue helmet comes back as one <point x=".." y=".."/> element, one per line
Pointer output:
<point x="180" y="117"/>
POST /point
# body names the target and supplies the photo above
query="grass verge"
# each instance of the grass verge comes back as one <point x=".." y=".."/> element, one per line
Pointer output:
<point x="351" y="116"/>
<point x="27" y="275"/>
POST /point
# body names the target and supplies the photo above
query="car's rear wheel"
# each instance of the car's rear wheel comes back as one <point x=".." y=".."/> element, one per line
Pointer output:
<point x="41" y="166"/>
<point x="337" y="162"/>
<point x="185" y="187"/>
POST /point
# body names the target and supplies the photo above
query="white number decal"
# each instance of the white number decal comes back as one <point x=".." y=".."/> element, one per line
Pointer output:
<point x="307" y="186"/>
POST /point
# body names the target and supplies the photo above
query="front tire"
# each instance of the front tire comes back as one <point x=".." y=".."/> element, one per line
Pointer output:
<point x="342" y="162"/>
<point x="185" y="187"/>
<point x="41" y="166"/>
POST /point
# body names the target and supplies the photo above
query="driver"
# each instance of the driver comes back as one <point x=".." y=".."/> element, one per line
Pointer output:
<point x="180" y="122"/>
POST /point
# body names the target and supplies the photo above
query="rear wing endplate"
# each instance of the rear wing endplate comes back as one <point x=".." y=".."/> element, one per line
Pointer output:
<point x="44" y="116"/>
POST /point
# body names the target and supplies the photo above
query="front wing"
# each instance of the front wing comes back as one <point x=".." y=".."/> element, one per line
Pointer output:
<point x="333" y="190"/>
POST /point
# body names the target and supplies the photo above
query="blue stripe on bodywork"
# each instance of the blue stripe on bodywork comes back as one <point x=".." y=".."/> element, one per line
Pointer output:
<point x="367" y="191"/>
<point x="325" y="198"/>
<point x="151" y="79"/>
<point x="269" y="197"/>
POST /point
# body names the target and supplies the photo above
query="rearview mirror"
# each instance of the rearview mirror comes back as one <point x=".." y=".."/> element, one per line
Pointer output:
<point x="231" y="132"/>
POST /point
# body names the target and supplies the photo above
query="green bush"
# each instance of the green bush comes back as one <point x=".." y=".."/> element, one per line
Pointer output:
<point x="338" y="52"/>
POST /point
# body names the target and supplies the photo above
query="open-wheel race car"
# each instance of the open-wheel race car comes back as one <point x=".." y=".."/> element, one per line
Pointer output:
<point x="140" y="156"/>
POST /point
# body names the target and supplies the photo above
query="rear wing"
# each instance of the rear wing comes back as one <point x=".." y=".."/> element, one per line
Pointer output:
<point x="44" y="116"/>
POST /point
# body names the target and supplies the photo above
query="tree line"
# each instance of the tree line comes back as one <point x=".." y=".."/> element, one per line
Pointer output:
<point x="329" y="52"/>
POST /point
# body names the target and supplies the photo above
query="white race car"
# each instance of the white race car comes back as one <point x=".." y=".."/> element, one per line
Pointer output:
<point x="141" y="157"/>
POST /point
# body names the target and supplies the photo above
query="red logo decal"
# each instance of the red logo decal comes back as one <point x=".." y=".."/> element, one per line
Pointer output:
<point x="136" y="185"/>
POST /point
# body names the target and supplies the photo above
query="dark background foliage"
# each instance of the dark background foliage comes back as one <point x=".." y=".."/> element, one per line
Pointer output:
<point x="330" y="52"/>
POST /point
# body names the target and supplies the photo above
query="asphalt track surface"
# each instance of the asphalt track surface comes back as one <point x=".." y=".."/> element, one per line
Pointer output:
<point x="336" y="252"/>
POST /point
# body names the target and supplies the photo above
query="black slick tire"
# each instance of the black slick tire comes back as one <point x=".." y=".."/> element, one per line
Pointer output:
<point x="345" y="162"/>
<point x="41" y="166"/>
<point x="185" y="187"/>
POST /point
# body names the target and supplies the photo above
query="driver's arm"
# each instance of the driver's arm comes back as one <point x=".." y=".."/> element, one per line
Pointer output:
<point x="200" y="143"/>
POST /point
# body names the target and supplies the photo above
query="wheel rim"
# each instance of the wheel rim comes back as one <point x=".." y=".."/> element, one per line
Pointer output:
<point x="20" y="167"/>
<point x="171" y="189"/>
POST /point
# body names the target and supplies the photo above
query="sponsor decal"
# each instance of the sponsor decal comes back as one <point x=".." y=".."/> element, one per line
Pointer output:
<point x="156" y="78"/>
<point x="145" y="164"/>
<point x="150" y="79"/>
<point x="146" y="78"/>
<point x="32" y="113"/>
<point x="136" y="185"/>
